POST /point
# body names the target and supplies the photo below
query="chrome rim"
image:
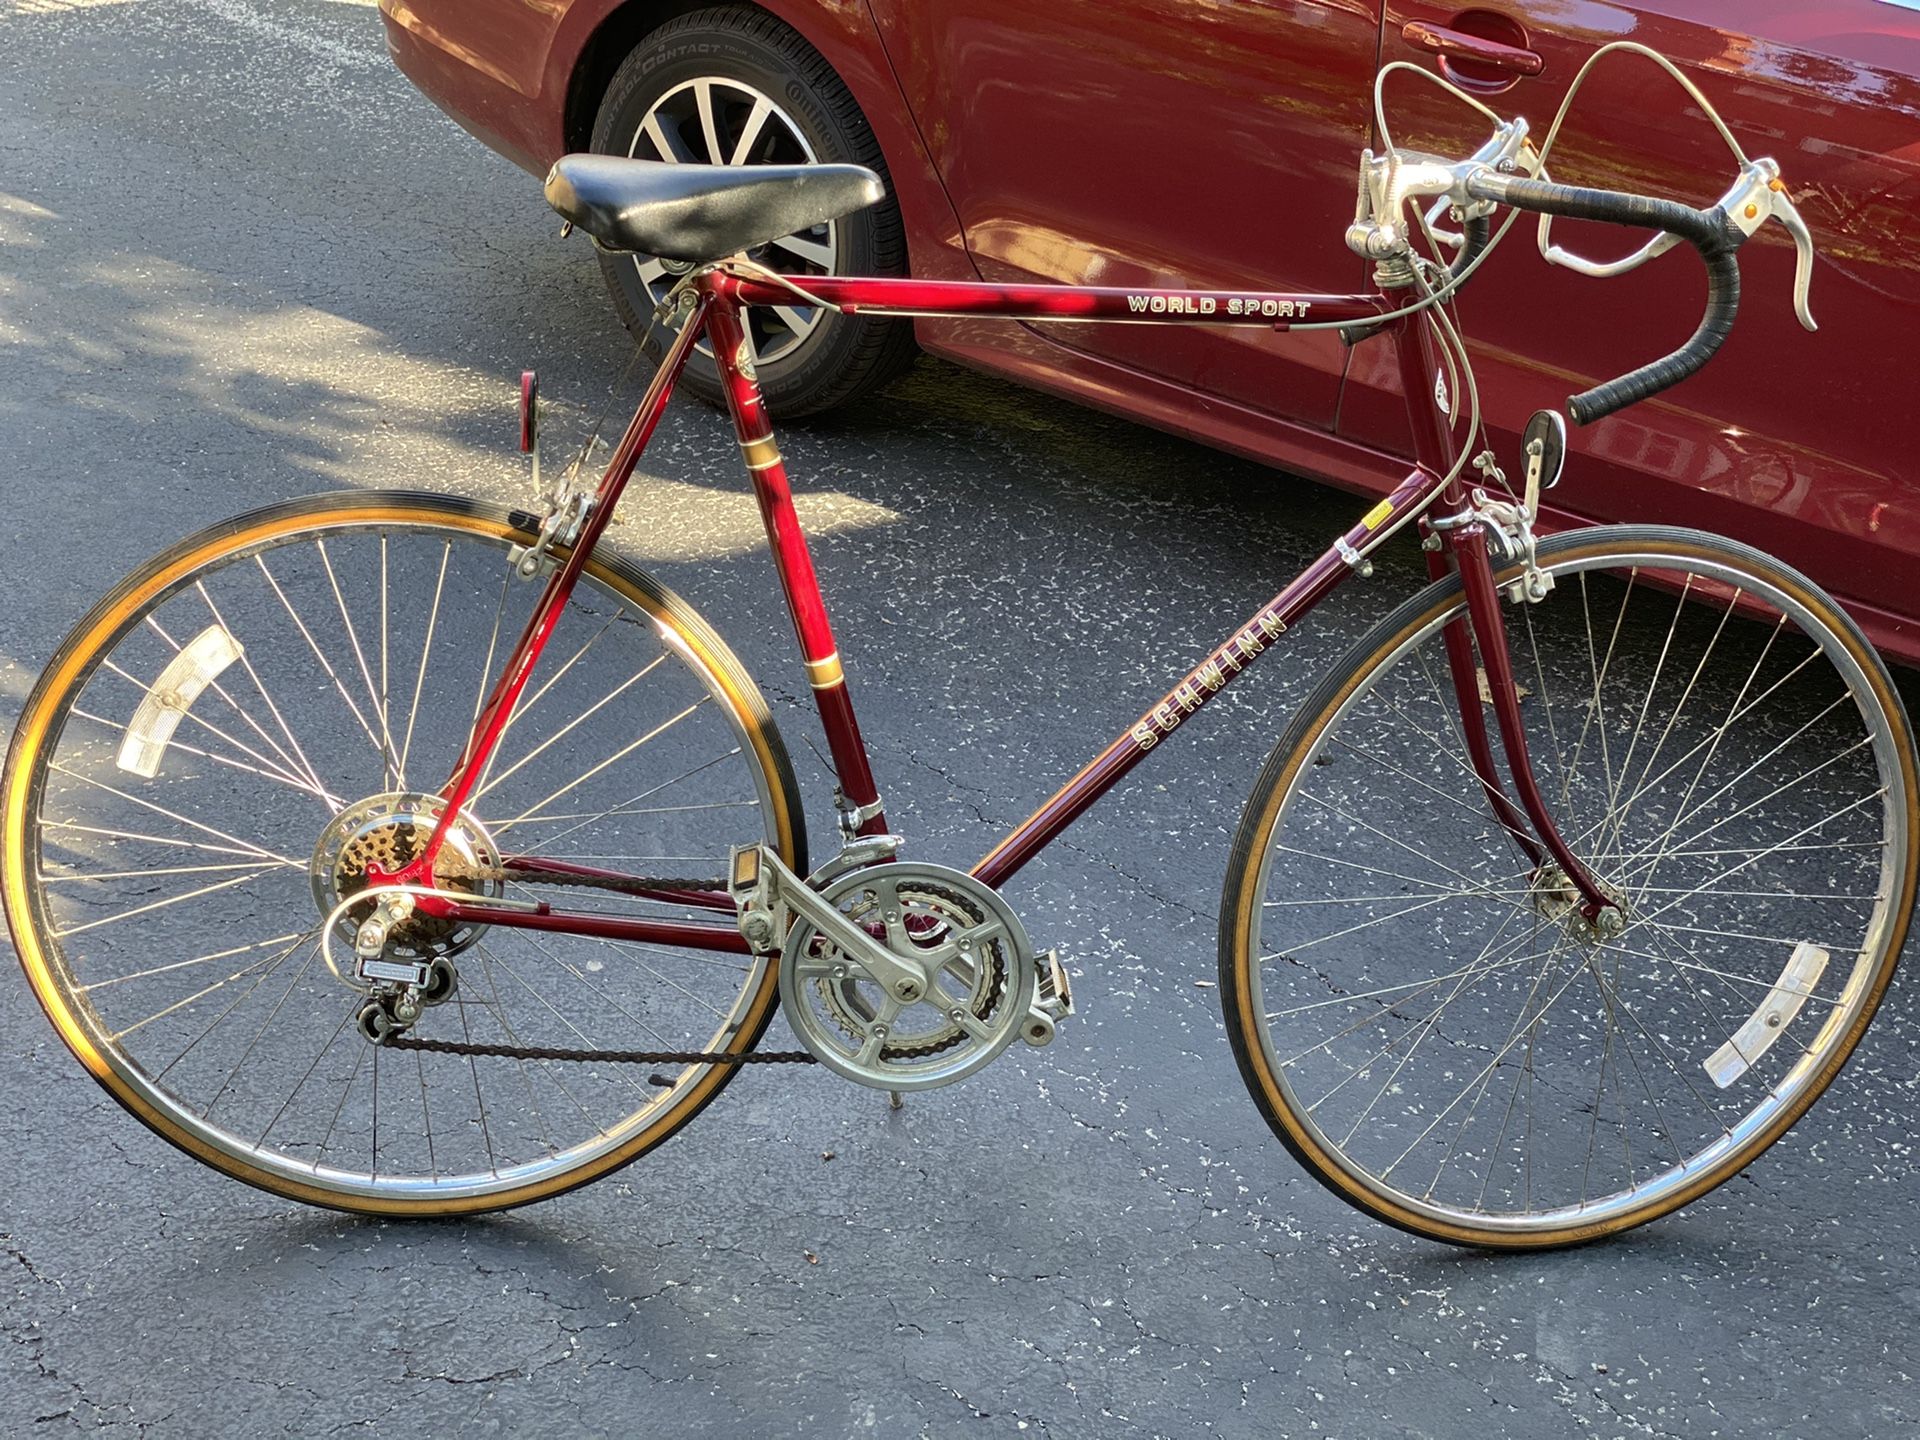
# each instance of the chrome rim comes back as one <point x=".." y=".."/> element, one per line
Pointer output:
<point x="714" y="120"/>
<point x="178" y="910"/>
<point x="1443" y="1029"/>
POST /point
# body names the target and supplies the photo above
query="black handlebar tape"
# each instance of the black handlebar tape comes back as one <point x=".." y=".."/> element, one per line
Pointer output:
<point x="1710" y="232"/>
<point x="1478" y="230"/>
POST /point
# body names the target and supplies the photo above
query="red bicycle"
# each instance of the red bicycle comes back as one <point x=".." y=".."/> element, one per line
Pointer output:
<point x="1562" y="897"/>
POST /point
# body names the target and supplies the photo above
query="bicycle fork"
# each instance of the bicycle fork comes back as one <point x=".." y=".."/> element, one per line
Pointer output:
<point x="1483" y="628"/>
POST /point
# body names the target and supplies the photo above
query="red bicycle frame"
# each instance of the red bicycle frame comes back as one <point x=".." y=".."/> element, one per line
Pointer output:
<point x="719" y="295"/>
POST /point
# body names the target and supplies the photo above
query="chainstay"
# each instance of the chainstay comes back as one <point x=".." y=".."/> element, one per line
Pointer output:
<point x="630" y="885"/>
<point x="619" y="1057"/>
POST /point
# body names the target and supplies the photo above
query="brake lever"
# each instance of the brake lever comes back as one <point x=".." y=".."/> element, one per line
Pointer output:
<point x="1599" y="269"/>
<point x="1787" y="215"/>
<point x="1758" y="195"/>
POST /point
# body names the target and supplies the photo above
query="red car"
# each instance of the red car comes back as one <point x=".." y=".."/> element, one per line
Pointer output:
<point x="1194" y="142"/>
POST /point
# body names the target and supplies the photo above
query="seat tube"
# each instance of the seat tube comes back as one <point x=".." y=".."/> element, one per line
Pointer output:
<point x="794" y="562"/>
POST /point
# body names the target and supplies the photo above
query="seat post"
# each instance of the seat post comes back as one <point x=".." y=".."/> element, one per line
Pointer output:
<point x="733" y="353"/>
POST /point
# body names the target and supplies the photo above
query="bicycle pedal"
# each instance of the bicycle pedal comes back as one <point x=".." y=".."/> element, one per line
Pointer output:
<point x="1055" y="991"/>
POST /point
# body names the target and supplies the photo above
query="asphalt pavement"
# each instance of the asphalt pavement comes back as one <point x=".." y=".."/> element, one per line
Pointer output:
<point x="241" y="259"/>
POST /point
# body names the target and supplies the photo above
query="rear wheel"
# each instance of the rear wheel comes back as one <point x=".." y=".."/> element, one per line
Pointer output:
<point x="220" y="750"/>
<point x="1422" y="1014"/>
<point x="733" y="86"/>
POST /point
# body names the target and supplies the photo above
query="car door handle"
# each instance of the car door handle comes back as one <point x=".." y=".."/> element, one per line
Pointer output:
<point x="1458" y="45"/>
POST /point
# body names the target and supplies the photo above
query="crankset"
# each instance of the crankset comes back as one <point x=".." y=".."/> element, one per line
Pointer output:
<point x="900" y="975"/>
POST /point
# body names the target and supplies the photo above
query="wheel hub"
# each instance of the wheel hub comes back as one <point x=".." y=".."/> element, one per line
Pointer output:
<point x="1559" y="900"/>
<point x="389" y="832"/>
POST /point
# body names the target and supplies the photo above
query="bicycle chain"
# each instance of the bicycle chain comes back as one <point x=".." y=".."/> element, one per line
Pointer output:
<point x="615" y="1057"/>
<point x="626" y="885"/>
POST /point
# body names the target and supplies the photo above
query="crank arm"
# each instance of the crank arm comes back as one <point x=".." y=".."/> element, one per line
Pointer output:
<point x="765" y="890"/>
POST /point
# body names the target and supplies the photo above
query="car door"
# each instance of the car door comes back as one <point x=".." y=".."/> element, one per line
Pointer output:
<point x="1169" y="143"/>
<point x="1786" y="439"/>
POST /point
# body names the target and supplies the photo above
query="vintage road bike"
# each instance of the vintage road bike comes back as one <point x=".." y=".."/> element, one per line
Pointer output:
<point x="1563" y="895"/>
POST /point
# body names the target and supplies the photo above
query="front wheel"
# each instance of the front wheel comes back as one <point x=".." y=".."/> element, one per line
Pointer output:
<point x="219" y="752"/>
<point x="1422" y="1015"/>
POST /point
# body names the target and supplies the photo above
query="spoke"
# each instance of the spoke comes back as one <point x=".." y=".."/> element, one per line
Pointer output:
<point x="174" y="841"/>
<point x="1678" y="1070"/>
<point x="1546" y="703"/>
<point x="170" y="901"/>
<point x="567" y="729"/>
<point x="376" y="697"/>
<point x="263" y="968"/>
<point x="597" y="991"/>
<point x="359" y="1058"/>
<point x="1488" y="961"/>
<point x="298" y="759"/>
<point x="620" y="807"/>
<point x="1623" y="809"/>
<point x="1382" y="899"/>
<point x="386" y="698"/>
<point x="1478" y="812"/>
<point x="1473" y="886"/>
<point x="533" y="811"/>
<point x="1652" y="867"/>
<point x="305" y="1076"/>
<point x="667" y="143"/>
<point x="671" y="984"/>
<point x="270" y="768"/>
<point x="325" y="664"/>
<point x="275" y="776"/>
<point x="1711" y="743"/>
<point x="812" y="251"/>
<point x="1425" y="1028"/>
<point x="586" y="1040"/>
<point x="226" y="867"/>
<point x="493" y="642"/>
<point x="499" y="1012"/>
<point x="426" y="1114"/>
<point x="798" y="319"/>
<point x="1640" y="722"/>
<point x="1705" y="805"/>
<point x="524" y="705"/>
<point x="678" y="952"/>
<point x="750" y="131"/>
<point x="244" y="847"/>
<point x="1295" y="949"/>
<point x="92" y="986"/>
<point x="206" y="1111"/>
<point x="426" y="649"/>
<point x="709" y="127"/>
<point x="479" y="1100"/>
<point x="1416" y="986"/>
<point x="1552" y="1000"/>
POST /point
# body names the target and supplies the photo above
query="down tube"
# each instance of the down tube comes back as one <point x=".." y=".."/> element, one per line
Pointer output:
<point x="1202" y="683"/>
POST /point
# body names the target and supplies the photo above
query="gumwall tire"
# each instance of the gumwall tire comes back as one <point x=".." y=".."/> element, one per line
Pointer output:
<point x="845" y="357"/>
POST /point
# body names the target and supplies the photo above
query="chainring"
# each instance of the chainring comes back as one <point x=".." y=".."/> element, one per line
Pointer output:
<point x="981" y="978"/>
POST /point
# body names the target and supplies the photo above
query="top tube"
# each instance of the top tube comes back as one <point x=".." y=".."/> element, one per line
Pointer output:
<point x="892" y="295"/>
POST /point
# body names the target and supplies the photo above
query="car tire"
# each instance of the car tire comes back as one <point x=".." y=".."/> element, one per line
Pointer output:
<point x="721" y="65"/>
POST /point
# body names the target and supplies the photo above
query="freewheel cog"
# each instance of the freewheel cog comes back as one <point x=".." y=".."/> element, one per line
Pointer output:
<point x="980" y="978"/>
<point x="390" y="831"/>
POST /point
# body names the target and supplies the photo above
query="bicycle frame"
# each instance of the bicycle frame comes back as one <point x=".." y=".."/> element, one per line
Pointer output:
<point x="719" y="296"/>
